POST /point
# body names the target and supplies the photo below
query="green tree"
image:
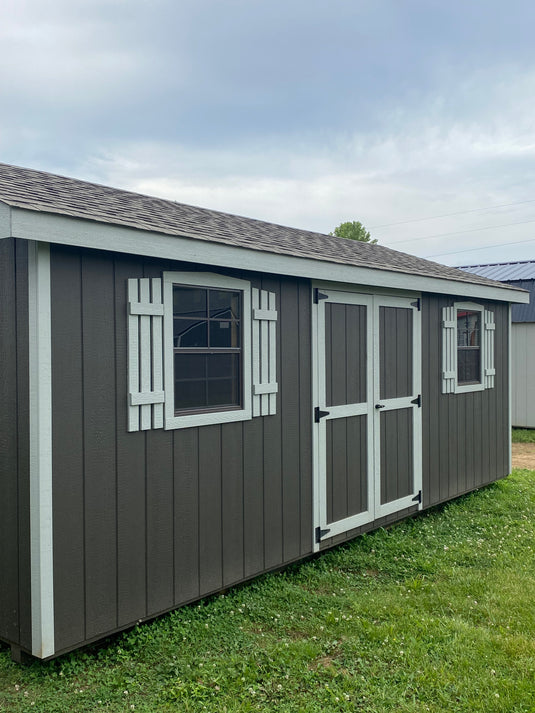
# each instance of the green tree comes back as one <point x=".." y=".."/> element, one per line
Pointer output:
<point x="353" y="230"/>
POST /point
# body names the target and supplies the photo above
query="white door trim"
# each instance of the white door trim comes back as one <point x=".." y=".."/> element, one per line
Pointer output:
<point x="374" y="508"/>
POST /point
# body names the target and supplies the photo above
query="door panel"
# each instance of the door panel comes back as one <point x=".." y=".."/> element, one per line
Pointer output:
<point x="397" y="463"/>
<point x="347" y="465"/>
<point x="368" y="431"/>
<point x="345" y="353"/>
<point x="395" y="352"/>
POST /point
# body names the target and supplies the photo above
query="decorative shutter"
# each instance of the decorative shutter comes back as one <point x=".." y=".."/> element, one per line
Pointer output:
<point x="488" y="353"/>
<point x="264" y="353"/>
<point x="449" y="348"/>
<point x="145" y="354"/>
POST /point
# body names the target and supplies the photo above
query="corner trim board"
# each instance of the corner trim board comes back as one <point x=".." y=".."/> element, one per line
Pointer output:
<point x="40" y="407"/>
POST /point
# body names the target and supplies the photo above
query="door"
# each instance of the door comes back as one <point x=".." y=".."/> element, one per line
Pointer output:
<point x="367" y="419"/>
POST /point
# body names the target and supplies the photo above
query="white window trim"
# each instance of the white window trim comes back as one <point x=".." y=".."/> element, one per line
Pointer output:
<point x="480" y="386"/>
<point x="205" y="280"/>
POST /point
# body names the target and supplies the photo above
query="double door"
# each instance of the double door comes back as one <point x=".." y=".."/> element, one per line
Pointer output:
<point x="367" y="437"/>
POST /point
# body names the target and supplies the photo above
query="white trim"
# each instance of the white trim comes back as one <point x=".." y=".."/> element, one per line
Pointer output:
<point x="40" y="407"/>
<point x="205" y="280"/>
<point x="65" y="230"/>
<point x="510" y="386"/>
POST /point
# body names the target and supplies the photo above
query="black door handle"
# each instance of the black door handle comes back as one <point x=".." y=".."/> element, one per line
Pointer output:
<point x="379" y="405"/>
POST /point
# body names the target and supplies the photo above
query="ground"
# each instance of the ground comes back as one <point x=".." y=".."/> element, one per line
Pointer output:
<point x="524" y="455"/>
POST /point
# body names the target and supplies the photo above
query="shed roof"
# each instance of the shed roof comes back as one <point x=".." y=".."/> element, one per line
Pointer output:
<point x="516" y="274"/>
<point x="44" y="192"/>
<point x="504" y="271"/>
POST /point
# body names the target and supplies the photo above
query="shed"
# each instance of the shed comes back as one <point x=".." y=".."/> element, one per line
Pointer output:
<point x="190" y="398"/>
<point x="518" y="274"/>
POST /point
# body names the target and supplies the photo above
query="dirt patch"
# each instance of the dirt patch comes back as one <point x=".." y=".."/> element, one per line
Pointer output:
<point x="524" y="455"/>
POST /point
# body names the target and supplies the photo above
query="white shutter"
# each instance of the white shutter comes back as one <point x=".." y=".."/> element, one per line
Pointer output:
<point x="145" y="354"/>
<point x="264" y="354"/>
<point x="449" y="350"/>
<point x="488" y="352"/>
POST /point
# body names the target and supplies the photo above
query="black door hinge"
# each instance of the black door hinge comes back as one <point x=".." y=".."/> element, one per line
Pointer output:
<point x="417" y="498"/>
<point x="319" y="295"/>
<point x="417" y="401"/>
<point x="417" y="304"/>
<point x="320" y="533"/>
<point x="319" y="414"/>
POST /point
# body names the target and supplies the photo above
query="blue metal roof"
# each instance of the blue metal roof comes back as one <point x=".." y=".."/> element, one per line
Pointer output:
<point x="504" y="271"/>
<point x="517" y="274"/>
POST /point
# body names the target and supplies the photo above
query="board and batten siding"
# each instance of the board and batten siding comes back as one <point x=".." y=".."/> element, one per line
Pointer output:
<point x="15" y="575"/>
<point x="149" y="520"/>
<point x="523" y="377"/>
<point x="466" y="435"/>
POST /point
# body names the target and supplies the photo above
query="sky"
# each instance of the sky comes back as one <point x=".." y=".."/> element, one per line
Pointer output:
<point x="415" y="117"/>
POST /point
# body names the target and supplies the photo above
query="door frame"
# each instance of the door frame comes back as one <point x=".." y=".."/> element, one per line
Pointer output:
<point x="374" y="299"/>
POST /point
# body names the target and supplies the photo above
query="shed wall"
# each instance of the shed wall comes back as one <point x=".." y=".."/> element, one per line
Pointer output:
<point x="465" y="436"/>
<point x="523" y="381"/>
<point x="146" y="521"/>
<point x="15" y="624"/>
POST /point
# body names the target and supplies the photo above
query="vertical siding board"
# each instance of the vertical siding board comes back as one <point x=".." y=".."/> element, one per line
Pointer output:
<point x="305" y="416"/>
<point x="67" y="447"/>
<point x="160" y="539"/>
<point x="253" y="489"/>
<point x="356" y="464"/>
<point x="131" y="520"/>
<point x="210" y="522"/>
<point x="23" y="442"/>
<point x="98" y="345"/>
<point x="273" y="506"/>
<point x="9" y="555"/>
<point x="186" y="514"/>
<point x="232" y="502"/>
<point x="289" y="399"/>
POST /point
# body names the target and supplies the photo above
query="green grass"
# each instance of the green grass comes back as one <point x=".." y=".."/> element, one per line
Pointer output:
<point x="435" y="614"/>
<point x="523" y="435"/>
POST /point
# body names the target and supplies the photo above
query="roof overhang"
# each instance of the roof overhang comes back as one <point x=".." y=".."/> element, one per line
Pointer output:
<point x="65" y="230"/>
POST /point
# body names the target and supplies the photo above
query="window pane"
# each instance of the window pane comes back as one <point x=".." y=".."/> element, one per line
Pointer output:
<point x="190" y="333"/>
<point x="468" y="328"/>
<point x="190" y="394"/>
<point x="223" y="365"/>
<point x="190" y="367"/>
<point x="224" y="304"/>
<point x="189" y="301"/>
<point x="223" y="392"/>
<point x="468" y="365"/>
<point x="224" y="333"/>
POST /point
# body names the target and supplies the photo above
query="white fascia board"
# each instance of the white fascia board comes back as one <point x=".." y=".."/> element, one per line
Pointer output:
<point x="53" y="228"/>
<point x="5" y="221"/>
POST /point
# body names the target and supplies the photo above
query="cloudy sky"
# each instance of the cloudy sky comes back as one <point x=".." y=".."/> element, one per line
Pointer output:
<point x="416" y="117"/>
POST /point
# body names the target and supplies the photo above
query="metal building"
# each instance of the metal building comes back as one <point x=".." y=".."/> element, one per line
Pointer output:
<point x="190" y="398"/>
<point x="518" y="274"/>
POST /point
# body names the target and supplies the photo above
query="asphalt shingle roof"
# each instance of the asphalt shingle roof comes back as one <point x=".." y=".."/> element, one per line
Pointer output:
<point x="49" y="193"/>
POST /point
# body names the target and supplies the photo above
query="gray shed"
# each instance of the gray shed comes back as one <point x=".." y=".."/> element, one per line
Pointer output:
<point x="190" y="398"/>
<point x="518" y="274"/>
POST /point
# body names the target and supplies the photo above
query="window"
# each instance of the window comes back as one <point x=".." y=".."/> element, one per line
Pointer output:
<point x="468" y="348"/>
<point x="201" y="350"/>
<point x="207" y="354"/>
<point x="207" y="347"/>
